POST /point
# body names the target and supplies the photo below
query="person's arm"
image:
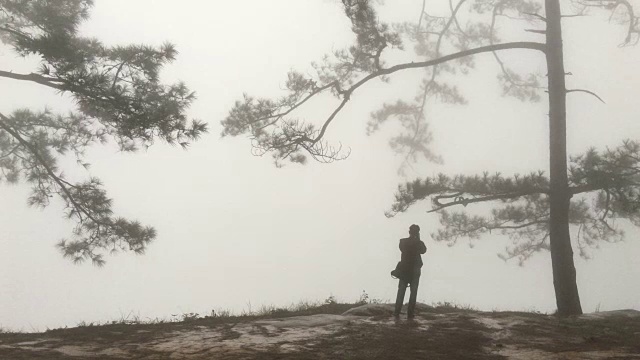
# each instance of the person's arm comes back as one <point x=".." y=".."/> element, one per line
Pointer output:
<point x="422" y="247"/>
<point x="402" y="246"/>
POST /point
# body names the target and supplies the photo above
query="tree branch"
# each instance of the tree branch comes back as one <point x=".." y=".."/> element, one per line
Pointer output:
<point x="424" y="4"/>
<point x="588" y="92"/>
<point x="14" y="32"/>
<point x="537" y="16"/>
<point x="612" y="5"/>
<point x="454" y="14"/>
<point x="4" y="126"/>
<point x="427" y="87"/>
<point x="515" y="227"/>
<point x="465" y="201"/>
<point x="425" y="64"/>
<point x="508" y="76"/>
<point x="50" y="82"/>
<point x="446" y="58"/>
<point x="280" y="115"/>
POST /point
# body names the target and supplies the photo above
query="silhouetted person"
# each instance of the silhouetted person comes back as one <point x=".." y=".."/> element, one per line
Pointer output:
<point x="411" y="263"/>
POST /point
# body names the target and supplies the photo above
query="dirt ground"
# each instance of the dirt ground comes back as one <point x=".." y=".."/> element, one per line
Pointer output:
<point x="365" y="332"/>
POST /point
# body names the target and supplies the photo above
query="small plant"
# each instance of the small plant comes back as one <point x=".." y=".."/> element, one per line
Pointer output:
<point x="265" y="310"/>
<point x="248" y="312"/>
<point x="190" y="316"/>
<point x="364" y="298"/>
<point x="534" y="311"/>
<point x="331" y="300"/>
<point x="280" y="311"/>
<point x="305" y="305"/>
<point x="155" y="320"/>
<point x="130" y="319"/>
<point x="452" y="306"/>
<point x="223" y="313"/>
<point x="11" y="332"/>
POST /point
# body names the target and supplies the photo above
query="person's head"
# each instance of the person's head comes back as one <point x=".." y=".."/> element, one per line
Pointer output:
<point x="414" y="230"/>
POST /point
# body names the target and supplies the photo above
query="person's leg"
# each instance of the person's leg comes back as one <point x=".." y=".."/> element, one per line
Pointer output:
<point x="402" y="288"/>
<point x="414" y="294"/>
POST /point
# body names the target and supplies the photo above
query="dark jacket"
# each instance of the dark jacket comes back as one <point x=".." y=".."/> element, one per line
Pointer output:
<point x="411" y="249"/>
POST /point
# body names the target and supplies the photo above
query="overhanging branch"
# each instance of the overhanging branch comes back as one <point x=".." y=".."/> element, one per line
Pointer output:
<point x="53" y="83"/>
<point x="446" y="58"/>
<point x="460" y="200"/>
<point x="425" y="64"/>
<point x="61" y="183"/>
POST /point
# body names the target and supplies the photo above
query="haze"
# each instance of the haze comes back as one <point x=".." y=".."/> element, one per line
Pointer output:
<point x="235" y="232"/>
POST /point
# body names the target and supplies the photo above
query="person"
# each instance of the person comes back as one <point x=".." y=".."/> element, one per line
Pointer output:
<point x="411" y="248"/>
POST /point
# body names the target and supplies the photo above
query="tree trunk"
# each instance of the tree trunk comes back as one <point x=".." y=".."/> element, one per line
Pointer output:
<point x="564" y="271"/>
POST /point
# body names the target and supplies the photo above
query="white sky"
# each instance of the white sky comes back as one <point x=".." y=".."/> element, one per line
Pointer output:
<point x="237" y="233"/>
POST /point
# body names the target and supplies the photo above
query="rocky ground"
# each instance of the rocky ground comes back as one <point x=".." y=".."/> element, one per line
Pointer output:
<point x="364" y="332"/>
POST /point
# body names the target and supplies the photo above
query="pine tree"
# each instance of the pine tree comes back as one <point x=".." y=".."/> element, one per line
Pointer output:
<point x="535" y="210"/>
<point x="119" y="98"/>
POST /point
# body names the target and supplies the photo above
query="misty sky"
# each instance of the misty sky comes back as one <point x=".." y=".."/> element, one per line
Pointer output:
<point x="235" y="232"/>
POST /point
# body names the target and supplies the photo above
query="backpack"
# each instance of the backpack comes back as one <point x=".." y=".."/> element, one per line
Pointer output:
<point x="402" y="272"/>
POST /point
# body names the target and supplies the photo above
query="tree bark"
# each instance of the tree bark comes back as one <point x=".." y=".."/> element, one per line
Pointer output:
<point x="564" y="271"/>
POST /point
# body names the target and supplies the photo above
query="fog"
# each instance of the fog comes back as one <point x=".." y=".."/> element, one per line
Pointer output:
<point x="237" y="233"/>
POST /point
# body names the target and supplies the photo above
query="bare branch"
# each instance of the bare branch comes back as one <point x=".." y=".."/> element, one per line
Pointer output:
<point x="613" y="5"/>
<point x="588" y="92"/>
<point x="454" y="13"/>
<point x="536" y="16"/>
<point x="422" y="13"/>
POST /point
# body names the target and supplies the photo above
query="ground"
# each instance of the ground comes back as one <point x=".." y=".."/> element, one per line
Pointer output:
<point x="363" y="332"/>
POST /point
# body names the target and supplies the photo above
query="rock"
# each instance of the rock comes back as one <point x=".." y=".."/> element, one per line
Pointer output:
<point x="382" y="310"/>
